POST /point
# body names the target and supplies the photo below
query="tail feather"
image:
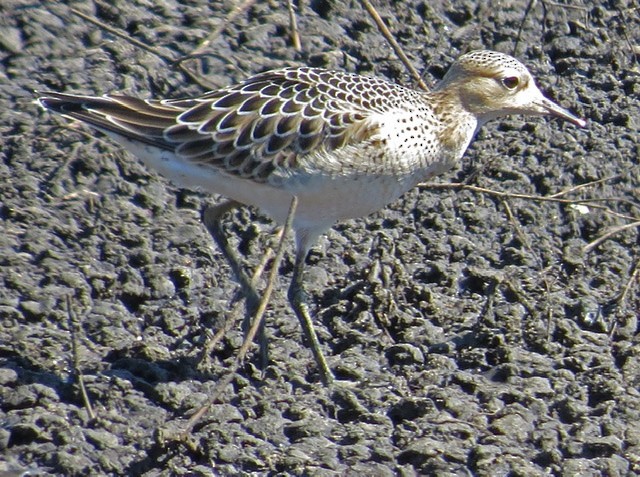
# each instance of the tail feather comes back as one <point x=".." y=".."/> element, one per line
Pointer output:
<point x="128" y="117"/>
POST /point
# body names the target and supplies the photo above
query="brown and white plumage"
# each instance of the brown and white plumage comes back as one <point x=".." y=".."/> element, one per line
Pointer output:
<point x="345" y="145"/>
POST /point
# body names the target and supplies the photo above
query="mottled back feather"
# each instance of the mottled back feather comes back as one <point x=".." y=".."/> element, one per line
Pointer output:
<point x="249" y="129"/>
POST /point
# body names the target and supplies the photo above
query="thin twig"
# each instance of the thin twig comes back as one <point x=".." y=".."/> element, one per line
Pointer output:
<point x="537" y="198"/>
<point x="555" y="198"/>
<point x="257" y="273"/>
<point x="204" y="45"/>
<point x="73" y="325"/>
<point x="632" y="277"/>
<point x="590" y="246"/>
<point x="583" y="186"/>
<point x="527" y="245"/>
<point x="524" y="18"/>
<point x="295" y="36"/>
<point x="122" y="35"/>
<point x="622" y="296"/>
<point x="137" y="43"/>
<point x="394" y="44"/>
<point x="631" y="44"/>
<point x="273" y="275"/>
<point x="530" y="6"/>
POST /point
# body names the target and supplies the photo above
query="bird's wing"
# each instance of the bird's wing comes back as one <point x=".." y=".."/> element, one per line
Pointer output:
<point x="266" y="122"/>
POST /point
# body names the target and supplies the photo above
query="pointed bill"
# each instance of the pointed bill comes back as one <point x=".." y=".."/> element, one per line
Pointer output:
<point x="549" y="107"/>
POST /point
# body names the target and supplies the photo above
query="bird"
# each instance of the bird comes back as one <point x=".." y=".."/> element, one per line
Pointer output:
<point x="343" y="144"/>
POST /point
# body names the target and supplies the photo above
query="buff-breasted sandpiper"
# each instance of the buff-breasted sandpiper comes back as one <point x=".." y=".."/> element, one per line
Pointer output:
<point x="345" y="145"/>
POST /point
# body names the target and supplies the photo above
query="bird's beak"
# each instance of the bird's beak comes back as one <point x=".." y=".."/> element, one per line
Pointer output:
<point x="547" y="106"/>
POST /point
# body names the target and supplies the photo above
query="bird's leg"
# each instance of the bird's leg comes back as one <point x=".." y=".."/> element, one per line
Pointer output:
<point x="212" y="220"/>
<point x="297" y="298"/>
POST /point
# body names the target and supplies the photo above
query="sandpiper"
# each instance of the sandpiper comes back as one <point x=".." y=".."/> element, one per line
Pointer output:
<point x="345" y="145"/>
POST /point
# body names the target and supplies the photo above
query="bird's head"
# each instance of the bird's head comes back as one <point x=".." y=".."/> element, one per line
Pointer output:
<point x="489" y="84"/>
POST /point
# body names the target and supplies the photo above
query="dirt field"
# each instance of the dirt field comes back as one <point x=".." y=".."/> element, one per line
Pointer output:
<point x="473" y="333"/>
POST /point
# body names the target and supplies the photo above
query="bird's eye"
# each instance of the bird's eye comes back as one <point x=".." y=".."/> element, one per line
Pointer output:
<point x="511" y="82"/>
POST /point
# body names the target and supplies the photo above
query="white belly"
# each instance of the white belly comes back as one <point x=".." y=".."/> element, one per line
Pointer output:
<point x="322" y="199"/>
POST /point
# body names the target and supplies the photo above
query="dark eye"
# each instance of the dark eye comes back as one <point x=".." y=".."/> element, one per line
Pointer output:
<point x="511" y="82"/>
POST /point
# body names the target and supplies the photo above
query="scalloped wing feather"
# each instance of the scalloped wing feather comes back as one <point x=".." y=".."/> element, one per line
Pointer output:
<point x="269" y="121"/>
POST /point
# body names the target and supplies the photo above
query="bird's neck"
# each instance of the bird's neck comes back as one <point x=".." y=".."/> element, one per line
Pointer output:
<point x="458" y="124"/>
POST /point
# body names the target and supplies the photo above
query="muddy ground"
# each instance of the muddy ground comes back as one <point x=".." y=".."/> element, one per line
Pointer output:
<point x="473" y="334"/>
